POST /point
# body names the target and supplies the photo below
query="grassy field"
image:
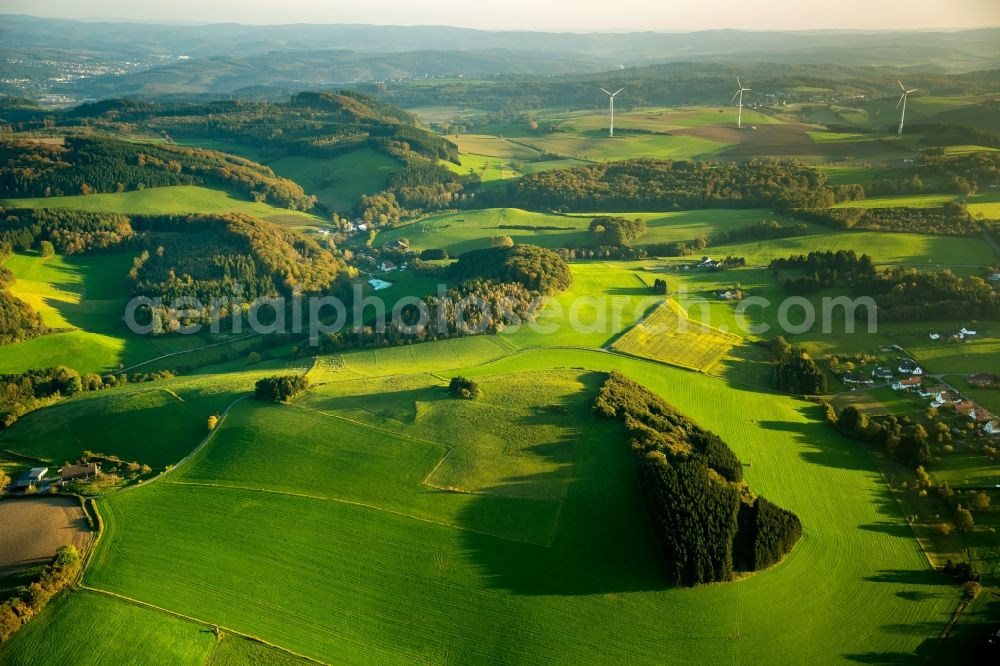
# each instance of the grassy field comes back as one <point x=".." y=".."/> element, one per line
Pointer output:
<point x="87" y="628"/>
<point x="668" y="335"/>
<point x="340" y="181"/>
<point x="175" y="200"/>
<point x="83" y="298"/>
<point x="595" y="594"/>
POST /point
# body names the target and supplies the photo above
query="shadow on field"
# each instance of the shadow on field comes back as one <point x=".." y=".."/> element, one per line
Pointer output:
<point x="900" y="530"/>
<point x="602" y="543"/>
<point x="823" y="446"/>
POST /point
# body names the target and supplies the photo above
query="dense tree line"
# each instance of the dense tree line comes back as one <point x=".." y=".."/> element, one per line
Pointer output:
<point x="18" y="321"/>
<point x="966" y="173"/>
<point x="794" y="371"/>
<point x="23" y="392"/>
<point x="89" y="165"/>
<point x="536" y="268"/>
<point x="910" y="295"/>
<point x="825" y="269"/>
<point x="69" y="231"/>
<point x="763" y="230"/>
<point x="30" y="600"/>
<point x="951" y="219"/>
<point x="708" y="523"/>
<point x="646" y="184"/>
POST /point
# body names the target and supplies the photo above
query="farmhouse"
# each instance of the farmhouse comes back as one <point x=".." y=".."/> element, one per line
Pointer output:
<point x="980" y="415"/>
<point x="399" y="244"/>
<point x="857" y="378"/>
<point x="909" y="367"/>
<point x="387" y="266"/>
<point x="932" y="391"/>
<point x="964" y="407"/>
<point x="378" y="285"/>
<point x="33" y="477"/>
<point x="908" y="383"/>
<point x="882" y="373"/>
<point x="74" y="472"/>
<point x="983" y="380"/>
<point x="935" y="336"/>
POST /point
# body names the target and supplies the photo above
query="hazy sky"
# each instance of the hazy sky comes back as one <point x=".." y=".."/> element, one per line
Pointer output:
<point x="543" y="14"/>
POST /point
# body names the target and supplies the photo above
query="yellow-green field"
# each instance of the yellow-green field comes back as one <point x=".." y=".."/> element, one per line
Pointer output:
<point x="668" y="335"/>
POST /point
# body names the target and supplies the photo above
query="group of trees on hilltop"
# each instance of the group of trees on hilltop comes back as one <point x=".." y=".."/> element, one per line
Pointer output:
<point x="708" y="523"/>
<point x="907" y="441"/>
<point x="794" y="370"/>
<point x="966" y="173"/>
<point x="92" y="165"/>
<point x="536" y="268"/>
<point x="646" y="184"/>
<point x="225" y="256"/>
<point x="280" y="388"/>
<point x="616" y="231"/>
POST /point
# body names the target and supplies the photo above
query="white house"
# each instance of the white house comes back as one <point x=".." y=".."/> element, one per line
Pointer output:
<point x="992" y="427"/>
<point x="966" y="332"/>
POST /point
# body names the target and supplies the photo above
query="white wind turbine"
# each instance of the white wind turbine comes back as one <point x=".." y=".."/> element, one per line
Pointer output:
<point x="611" y="96"/>
<point x="902" y="100"/>
<point x="739" y="93"/>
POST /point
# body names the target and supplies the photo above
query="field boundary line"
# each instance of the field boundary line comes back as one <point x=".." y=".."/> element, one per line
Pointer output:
<point x="365" y="505"/>
<point x="199" y="621"/>
<point x="185" y="351"/>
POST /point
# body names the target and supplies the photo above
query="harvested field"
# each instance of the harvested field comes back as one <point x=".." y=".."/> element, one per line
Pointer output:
<point x="31" y="530"/>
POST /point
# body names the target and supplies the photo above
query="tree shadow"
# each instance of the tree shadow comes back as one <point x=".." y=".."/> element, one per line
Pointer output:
<point x="900" y="530"/>
<point x="601" y="541"/>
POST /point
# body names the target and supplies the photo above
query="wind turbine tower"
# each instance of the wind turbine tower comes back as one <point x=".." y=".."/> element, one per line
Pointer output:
<point x="611" y="97"/>
<point x="902" y="100"/>
<point x="739" y="93"/>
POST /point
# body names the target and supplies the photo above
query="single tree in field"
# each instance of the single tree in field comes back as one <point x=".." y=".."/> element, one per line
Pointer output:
<point x="963" y="519"/>
<point x="980" y="501"/>
<point x="213" y="421"/>
<point x="501" y="241"/>
<point x="46" y="249"/>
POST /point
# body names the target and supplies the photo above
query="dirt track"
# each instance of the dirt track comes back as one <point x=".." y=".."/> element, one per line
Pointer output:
<point x="32" y="529"/>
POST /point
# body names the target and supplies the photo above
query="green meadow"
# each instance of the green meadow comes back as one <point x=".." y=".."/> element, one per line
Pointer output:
<point x="594" y="593"/>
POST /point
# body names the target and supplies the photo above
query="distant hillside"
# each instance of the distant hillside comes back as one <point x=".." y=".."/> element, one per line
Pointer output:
<point x="95" y="60"/>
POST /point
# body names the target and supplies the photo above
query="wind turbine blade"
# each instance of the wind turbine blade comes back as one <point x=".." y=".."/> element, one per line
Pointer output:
<point x="747" y="89"/>
<point x="619" y="90"/>
<point x="735" y="96"/>
<point x="605" y="91"/>
<point x="901" y="86"/>
<point x="901" y="98"/>
<point x="912" y="91"/>
<point x="738" y="82"/>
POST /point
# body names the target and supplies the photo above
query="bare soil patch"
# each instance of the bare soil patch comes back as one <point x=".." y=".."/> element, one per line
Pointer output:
<point x="31" y="530"/>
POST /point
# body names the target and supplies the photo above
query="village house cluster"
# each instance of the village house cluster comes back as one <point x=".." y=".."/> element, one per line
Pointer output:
<point x="907" y="375"/>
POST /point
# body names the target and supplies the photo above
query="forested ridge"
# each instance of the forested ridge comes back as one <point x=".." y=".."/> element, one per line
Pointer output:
<point x="661" y="185"/>
<point x="87" y="165"/>
<point x="707" y="521"/>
